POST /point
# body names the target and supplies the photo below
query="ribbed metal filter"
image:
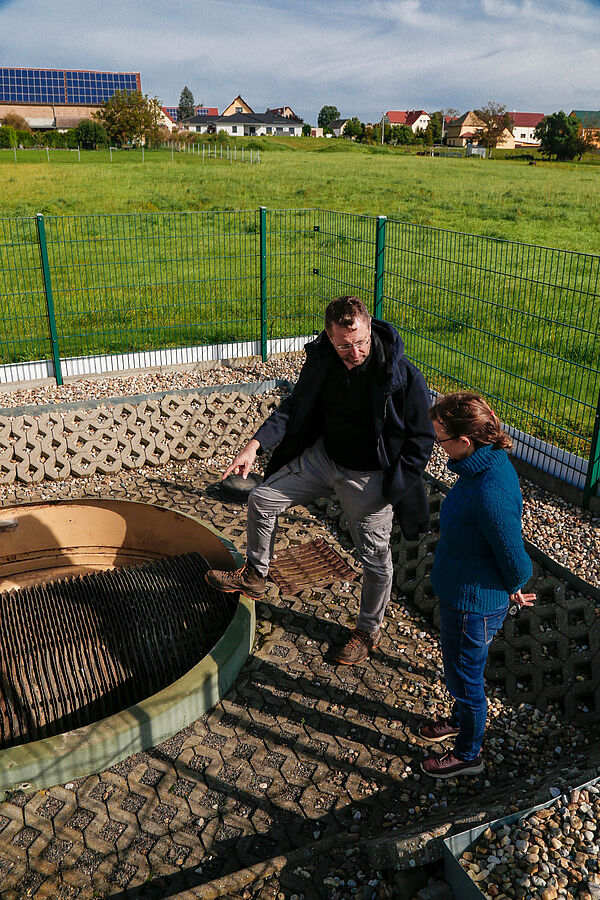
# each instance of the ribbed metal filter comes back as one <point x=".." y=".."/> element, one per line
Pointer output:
<point x="77" y="650"/>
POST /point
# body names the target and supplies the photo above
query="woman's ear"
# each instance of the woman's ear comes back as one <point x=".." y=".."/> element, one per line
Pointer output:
<point x="466" y="443"/>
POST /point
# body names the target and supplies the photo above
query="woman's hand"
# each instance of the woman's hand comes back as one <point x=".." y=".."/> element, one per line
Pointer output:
<point x="522" y="599"/>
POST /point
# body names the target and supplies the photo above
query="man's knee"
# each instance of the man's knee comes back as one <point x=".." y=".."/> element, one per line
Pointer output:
<point x="257" y="500"/>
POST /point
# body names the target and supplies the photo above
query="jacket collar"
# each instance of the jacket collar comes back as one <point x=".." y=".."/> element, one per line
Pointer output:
<point x="482" y="459"/>
<point x="388" y="347"/>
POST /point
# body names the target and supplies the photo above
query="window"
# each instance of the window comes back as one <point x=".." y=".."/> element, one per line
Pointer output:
<point x="234" y="129"/>
<point x="292" y="131"/>
<point x="239" y="109"/>
<point x="252" y="129"/>
<point x="523" y="135"/>
<point x="279" y="129"/>
<point x="269" y="129"/>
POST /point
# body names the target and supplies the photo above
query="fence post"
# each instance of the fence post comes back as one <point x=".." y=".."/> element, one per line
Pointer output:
<point x="379" y="266"/>
<point x="593" y="471"/>
<point x="41" y="229"/>
<point x="263" y="282"/>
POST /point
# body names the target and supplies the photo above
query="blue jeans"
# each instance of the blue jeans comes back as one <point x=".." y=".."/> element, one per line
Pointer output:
<point x="466" y="639"/>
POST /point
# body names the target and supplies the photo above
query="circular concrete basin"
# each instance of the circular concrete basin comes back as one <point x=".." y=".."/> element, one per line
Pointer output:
<point x="44" y="542"/>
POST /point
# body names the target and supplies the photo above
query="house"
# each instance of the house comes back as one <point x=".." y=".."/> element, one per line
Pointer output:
<point x="415" y="118"/>
<point x="463" y="130"/>
<point x="173" y="112"/>
<point x="286" y="111"/>
<point x="237" y="107"/>
<point x="467" y="129"/>
<point x="524" y="125"/>
<point x="58" y="99"/>
<point x="337" y="126"/>
<point x="239" y="120"/>
<point x="316" y="132"/>
<point x="590" y="123"/>
<point x="167" y="120"/>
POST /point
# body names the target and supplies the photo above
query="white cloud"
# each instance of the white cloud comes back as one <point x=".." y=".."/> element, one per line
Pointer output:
<point x="362" y="55"/>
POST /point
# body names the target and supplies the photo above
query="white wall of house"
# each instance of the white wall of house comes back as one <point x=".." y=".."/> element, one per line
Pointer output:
<point x="244" y="129"/>
<point x="422" y="122"/>
<point x="525" y="133"/>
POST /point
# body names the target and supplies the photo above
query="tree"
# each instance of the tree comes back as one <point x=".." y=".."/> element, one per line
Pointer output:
<point x="400" y="134"/>
<point x="433" y="132"/>
<point x="327" y="115"/>
<point x="560" y="136"/>
<point x="306" y="129"/>
<point x="130" y="117"/>
<point x="495" y="120"/>
<point x="186" y="108"/>
<point x="354" y="128"/>
<point x="14" y="120"/>
<point x="89" y="134"/>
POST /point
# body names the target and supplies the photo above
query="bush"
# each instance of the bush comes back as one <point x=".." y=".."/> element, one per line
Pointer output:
<point x="25" y="137"/>
<point x="8" y="136"/>
<point x="90" y="134"/>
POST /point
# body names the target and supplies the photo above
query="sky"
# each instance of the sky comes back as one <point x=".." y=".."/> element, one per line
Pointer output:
<point x="362" y="56"/>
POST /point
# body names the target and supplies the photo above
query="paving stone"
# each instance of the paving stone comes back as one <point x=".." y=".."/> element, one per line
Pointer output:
<point x="296" y="723"/>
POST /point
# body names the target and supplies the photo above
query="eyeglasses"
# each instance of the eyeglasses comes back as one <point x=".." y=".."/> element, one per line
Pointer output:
<point x="443" y="440"/>
<point x="344" y="348"/>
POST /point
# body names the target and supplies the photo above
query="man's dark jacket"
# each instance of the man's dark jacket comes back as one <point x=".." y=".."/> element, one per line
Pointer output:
<point x="400" y="411"/>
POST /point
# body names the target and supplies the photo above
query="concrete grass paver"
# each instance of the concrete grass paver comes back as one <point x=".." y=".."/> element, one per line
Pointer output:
<point x="300" y="754"/>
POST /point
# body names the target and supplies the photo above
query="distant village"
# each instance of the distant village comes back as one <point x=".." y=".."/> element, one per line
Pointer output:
<point x="58" y="100"/>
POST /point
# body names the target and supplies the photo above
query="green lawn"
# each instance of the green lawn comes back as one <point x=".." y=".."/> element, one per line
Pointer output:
<point x="514" y="321"/>
<point x="555" y="205"/>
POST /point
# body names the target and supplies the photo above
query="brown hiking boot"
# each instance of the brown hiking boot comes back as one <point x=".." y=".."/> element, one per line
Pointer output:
<point x="357" y="647"/>
<point x="245" y="580"/>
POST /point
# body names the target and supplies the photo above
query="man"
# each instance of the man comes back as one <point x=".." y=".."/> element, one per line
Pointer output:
<point x="356" y="426"/>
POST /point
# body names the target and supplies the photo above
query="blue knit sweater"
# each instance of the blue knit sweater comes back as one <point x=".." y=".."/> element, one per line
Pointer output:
<point x="480" y="558"/>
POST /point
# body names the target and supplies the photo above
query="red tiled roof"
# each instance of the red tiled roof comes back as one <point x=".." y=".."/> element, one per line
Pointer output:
<point x="397" y="116"/>
<point x="413" y="115"/>
<point x="526" y="120"/>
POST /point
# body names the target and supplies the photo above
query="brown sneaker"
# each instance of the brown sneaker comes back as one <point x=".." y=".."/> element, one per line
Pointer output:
<point x="435" y="730"/>
<point x="245" y="580"/>
<point x="357" y="647"/>
<point x="449" y="766"/>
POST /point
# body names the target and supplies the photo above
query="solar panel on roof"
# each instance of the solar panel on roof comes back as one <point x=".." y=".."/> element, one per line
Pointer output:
<point x="62" y="85"/>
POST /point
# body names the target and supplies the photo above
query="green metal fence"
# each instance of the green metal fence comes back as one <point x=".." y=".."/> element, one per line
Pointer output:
<point x="517" y="322"/>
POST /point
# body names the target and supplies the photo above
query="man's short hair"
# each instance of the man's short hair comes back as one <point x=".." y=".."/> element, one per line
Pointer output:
<point x="344" y="311"/>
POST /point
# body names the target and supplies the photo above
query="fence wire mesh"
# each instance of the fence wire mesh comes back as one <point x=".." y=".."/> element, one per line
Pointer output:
<point x="515" y="322"/>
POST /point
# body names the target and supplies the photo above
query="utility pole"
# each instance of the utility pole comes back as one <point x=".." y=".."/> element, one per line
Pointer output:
<point x="382" y="118"/>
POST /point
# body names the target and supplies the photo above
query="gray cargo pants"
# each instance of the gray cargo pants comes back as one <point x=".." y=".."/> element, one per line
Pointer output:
<point x="369" y="516"/>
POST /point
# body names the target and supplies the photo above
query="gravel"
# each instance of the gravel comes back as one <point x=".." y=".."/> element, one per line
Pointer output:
<point x="566" y="533"/>
<point x="517" y="734"/>
<point x="551" y="853"/>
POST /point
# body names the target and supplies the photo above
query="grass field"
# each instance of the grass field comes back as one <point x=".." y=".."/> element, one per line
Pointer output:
<point x="554" y="205"/>
<point x="513" y="321"/>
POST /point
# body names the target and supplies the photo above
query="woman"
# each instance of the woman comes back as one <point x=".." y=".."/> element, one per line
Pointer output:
<point x="480" y="563"/>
